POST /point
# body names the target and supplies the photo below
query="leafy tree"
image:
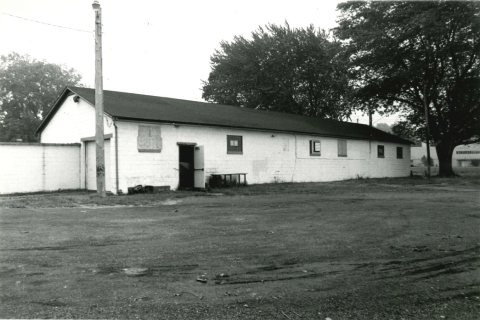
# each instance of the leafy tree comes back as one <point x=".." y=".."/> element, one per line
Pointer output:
<point x="28" y="90"/>
<point x="405" y="130"/>
<point x="425" y="162"/>
<point x="408" y="53"/>
<point x="281" y="69"/>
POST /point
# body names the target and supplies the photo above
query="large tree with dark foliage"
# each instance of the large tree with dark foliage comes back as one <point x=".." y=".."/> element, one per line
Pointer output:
<point x="28" y="90"/>
<point x="281" y="69"/>
<point x="406" y="54"/>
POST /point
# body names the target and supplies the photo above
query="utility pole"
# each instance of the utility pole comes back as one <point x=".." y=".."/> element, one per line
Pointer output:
<point x="426" y="127"/>
<point x="370" y="115"/>
<point x="100" y="154"/>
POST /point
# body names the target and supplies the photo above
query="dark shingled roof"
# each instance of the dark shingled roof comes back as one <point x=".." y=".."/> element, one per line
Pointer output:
<point x="130" y="106"/>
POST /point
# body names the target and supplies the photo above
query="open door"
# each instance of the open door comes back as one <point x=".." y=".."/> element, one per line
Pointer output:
<point x="199" y="167"/>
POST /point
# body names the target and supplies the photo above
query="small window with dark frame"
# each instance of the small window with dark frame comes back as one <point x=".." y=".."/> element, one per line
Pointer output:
<point x="342" y="147"/>
<point x="315" y="148"/>
<point x="381" y="151"/>
<point x="234" y="145"/>
<point x="399" y="152"/>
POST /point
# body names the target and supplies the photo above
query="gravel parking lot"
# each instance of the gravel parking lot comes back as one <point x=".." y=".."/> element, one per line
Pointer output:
<point x="361" y="249"/>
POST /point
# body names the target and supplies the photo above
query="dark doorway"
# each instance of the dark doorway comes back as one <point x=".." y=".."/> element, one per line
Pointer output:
<point x="186" y="166"/>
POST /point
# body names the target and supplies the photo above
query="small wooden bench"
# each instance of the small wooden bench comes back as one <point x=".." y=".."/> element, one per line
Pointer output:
<point x="221" y="178"/>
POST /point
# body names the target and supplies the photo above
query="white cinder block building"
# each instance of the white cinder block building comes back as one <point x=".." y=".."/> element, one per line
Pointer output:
<point x="177" y="143"/>
<point x="466" y="155"/>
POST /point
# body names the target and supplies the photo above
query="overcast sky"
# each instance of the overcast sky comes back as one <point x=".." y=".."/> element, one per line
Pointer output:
<point x="149" y="47"/>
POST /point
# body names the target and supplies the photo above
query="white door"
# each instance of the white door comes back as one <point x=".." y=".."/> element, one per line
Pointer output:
<point x="90" y="166"/>
<point x="199" y="167"/>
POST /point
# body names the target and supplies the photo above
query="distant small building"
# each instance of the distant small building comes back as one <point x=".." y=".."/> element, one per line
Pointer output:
<point x="418" y="151"/>
<point x="466" y="155"/>
<point x="463" y="155"/>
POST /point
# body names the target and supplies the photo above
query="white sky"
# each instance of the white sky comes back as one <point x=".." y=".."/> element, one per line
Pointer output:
<point x="160" y="48"/>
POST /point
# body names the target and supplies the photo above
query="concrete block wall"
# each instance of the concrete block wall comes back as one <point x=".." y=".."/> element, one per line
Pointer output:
<point x="267" y="156"/>
<point x="32" y="167"/>
<point x="389" y="166"/>
<point x="136" y="167"/>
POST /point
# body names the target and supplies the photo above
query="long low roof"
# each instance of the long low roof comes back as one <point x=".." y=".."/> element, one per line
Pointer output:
<point x="130" y="106"/>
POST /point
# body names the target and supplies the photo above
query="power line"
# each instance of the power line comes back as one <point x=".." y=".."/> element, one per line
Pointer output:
<point x="48" y="24"/>
<point x="380" y="119"/>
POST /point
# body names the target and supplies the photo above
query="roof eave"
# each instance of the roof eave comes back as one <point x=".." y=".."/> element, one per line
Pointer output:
<point x="256" y="129"/>
<point x="57" y="105"/>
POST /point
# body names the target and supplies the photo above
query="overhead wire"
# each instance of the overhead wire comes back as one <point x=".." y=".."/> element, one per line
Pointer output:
<point x="379" y="119"/>
<point x="49" y="24"/>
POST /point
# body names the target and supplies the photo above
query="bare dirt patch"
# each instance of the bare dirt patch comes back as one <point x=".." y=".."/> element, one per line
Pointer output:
<point x="362" y="249"/>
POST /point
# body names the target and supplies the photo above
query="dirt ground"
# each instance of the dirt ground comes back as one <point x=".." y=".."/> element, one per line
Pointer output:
<point x="361" y="249"/>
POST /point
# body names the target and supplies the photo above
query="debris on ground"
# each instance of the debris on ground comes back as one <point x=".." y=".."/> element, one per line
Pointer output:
<point x="135" y="271"/>
<point x="421" y="249"/>
<point x="196" y="295"/>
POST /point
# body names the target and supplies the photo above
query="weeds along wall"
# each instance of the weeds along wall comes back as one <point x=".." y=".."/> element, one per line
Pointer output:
<point x="266" y="157"/>
<point x="32" y="167"/>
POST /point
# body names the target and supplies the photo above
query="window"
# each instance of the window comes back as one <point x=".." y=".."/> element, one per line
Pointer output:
<point x="149" y="139"/>
<point x="315" y="148"/>
<point x="381" y="151"/>
<point x="399" y="152"/>
<point x="234" y="145"/>
<point x="342" y="147"/>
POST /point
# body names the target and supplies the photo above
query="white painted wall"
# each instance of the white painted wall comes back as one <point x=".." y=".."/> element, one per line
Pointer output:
<point x="267" y="157"/>
<point x="31" y="167"/>
<point x="73" y="121"/>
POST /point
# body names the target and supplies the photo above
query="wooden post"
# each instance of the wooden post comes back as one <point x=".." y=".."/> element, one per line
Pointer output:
<point x="100" y="154"/>
<point x="426" y="127"/>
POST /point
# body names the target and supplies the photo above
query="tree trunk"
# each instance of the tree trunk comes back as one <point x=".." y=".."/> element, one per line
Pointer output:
<point x="444" y="153"/>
